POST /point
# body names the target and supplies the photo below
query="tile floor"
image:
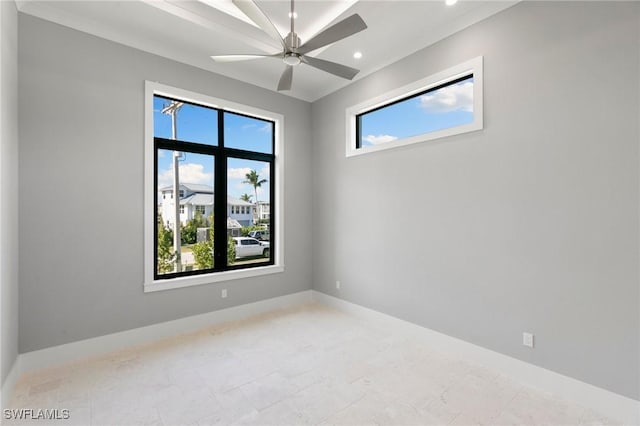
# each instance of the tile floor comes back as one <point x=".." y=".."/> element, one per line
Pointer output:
<point x="307" y="365"/>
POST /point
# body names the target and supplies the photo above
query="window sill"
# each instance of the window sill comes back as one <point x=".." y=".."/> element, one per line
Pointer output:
<point x="159" y="285"/>
<point x="427" y="137"/>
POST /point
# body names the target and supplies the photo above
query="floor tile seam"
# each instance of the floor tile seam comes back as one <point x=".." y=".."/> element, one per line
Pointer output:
<point x="263" y="409"/>
<point x="347" y="407"/>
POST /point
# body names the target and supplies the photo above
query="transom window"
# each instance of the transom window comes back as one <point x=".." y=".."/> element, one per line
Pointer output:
<point x="210" y="154"/>
<point x="441" y="105"/>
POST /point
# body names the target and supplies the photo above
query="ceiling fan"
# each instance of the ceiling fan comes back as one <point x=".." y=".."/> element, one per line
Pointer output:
<point x="293" y="52"/>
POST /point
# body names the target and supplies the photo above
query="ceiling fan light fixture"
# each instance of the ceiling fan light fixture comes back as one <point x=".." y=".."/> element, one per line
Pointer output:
<point x="450" y="2"/>
<point x="291" y="59"/>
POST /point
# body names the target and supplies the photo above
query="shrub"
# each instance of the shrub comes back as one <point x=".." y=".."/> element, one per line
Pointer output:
<point x="189" y="232"/>
<point x="203" y="254"/>
<point x="203" y="251"/>
<point x="166" y="255"/>
<point x="246" y="229"/>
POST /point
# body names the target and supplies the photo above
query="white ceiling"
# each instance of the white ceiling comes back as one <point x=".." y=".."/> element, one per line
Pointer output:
<point x="192" y="31"/>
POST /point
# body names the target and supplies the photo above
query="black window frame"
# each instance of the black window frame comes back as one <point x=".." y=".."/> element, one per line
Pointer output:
<point x="220" y="155"/>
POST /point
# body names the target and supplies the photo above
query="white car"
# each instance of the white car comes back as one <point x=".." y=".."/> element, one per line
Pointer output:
<point x="260" y="234"/>
<point x="250" y="247"/>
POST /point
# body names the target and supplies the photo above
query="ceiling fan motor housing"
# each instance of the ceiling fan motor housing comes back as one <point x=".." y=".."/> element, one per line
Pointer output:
<point x="292" y="41"/>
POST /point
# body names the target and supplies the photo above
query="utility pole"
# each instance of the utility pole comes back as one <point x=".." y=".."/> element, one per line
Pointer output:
<point x="172" y="110"/>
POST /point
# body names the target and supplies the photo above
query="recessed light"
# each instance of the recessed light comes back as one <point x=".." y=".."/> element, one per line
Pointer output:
<point x="357" y="55"/>
<point x="295" y="15"/>
<point x="450" y="2"/>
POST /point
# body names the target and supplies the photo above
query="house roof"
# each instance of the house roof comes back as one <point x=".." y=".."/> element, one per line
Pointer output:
<point x="199" y="199"/>
<point x="233" y="224"/>
<point x="203" y="195"/>
<point x="237" y="202"/>
<point x="192" y="187"/>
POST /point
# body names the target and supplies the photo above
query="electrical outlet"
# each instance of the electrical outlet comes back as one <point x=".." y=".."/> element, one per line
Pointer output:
<point x="527" y="339"/>
<point x="223" y="294"/>
<point x="338" y="285"/>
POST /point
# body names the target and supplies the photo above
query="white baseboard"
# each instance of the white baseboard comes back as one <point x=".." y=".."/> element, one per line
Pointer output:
<point x="57" y="355"/>
<point x="608" y="403"/>
<point x="9" y="384"/>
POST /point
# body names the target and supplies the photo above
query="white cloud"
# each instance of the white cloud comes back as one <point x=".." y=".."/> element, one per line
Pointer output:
<point x="238" y="173"/>
<point x="264" y="128"/>
<point x="458" y="97"/>
<point x="189" y="173"/>
<point x="375" y="140"/>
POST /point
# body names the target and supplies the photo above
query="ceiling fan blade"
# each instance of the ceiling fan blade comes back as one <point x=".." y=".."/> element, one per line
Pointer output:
<point x="237" y="58"/>
<point x="253" y="12"/>
<point x="285" y="79"/>
<point x="343" y="29"/>
<point x="331" y="67"/>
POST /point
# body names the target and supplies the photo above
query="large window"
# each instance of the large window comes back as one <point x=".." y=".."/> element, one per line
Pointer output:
<point x="441" y="105"/>
<point x="221" y="159"/>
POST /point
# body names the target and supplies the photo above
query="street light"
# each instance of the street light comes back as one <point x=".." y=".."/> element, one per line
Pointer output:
<point x="172" y="110"/>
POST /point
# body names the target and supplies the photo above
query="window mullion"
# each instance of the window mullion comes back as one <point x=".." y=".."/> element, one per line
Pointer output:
<point x="220" y="201"/>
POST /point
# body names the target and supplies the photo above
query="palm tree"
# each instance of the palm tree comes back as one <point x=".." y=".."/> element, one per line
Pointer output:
<point x="246" y="197"/>
<point x="253" y="179"/>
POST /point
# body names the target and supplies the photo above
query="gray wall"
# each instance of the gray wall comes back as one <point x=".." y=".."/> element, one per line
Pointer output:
<point x="528" y="225"/>
<point x="8" y="186"/>
<point x="81" y="188"/>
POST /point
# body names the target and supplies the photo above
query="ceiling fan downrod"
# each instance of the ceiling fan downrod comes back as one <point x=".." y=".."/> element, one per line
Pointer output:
<point x="292" y="40"/>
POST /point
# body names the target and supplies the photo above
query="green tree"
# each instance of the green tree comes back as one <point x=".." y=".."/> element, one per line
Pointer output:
<point x="166" y="255"/>
<point x="246" y="197"/>
<point x="203" y="251"/>
<point x="253" y="179"/>
<point x="203" y="254"/>
<point x="189" y="232"/>
<point x="231" y="250"/>
<point x="244" y="231"/>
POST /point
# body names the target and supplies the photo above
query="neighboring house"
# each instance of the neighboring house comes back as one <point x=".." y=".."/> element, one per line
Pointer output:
<point x="239" y="210"/>
<point x="195" y="197"/>
<point x="263" y="210"/>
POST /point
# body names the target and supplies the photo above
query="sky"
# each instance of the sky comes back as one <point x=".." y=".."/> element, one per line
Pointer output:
<point x="447" y="107"/>
<point x="200" y="124"/>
